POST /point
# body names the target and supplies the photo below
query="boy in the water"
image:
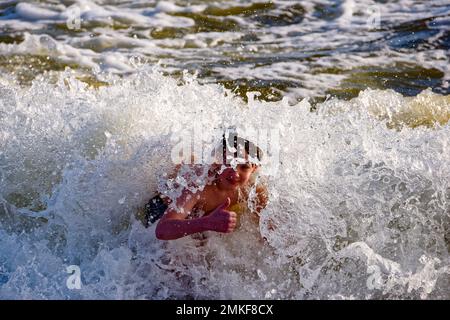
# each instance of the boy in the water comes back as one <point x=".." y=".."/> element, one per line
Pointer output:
<point x="221" y="200"/>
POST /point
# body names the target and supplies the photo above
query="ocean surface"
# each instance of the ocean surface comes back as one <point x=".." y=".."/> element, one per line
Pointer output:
<point x="353" y="96"/>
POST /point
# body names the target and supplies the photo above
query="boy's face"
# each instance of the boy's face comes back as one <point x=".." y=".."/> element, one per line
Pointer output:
<point x="231" y="178"/>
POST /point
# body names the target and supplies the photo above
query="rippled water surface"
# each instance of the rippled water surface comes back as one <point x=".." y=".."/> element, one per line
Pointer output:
<point x="279" y="48"/>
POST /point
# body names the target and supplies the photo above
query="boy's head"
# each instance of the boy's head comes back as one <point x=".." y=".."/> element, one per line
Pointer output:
<point x="237" y="150"/>
<point x="240" y="158"/>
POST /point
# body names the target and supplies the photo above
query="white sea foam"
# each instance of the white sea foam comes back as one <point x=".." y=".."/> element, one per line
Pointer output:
<point x="359" y="195"/>
<point x="358" y="208"/>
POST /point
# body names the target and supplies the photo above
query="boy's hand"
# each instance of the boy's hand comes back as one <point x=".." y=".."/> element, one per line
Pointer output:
<point x="222" y="220"/>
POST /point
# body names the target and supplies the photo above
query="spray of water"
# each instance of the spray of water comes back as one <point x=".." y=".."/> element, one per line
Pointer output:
<point x="359" y="194"/>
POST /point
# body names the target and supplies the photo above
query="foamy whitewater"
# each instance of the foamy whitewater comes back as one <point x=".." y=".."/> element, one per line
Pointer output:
<point x="360" y="210"/>
<point x="359" y="193"/>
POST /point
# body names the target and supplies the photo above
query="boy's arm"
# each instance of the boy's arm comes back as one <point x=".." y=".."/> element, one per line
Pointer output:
<point x="262" y="197"/>
<point x="174" y="225"/>
<point x="259" y="201"/>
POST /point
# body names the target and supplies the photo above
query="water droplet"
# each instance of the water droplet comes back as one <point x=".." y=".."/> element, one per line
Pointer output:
<point x="261" y="275"/>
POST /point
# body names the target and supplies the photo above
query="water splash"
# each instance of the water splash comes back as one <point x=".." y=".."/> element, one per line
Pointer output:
<point x="358" y="207"/>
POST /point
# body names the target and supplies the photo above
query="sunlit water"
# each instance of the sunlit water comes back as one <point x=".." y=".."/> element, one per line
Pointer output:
<point x="359" y="192"/>
<point x="280" y="48"/>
